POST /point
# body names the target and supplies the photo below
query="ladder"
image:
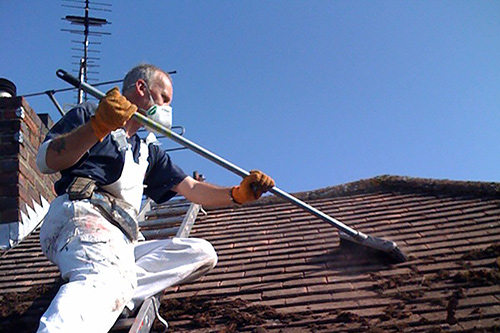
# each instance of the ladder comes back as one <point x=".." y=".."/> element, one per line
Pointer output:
<point x="172" y="219"/>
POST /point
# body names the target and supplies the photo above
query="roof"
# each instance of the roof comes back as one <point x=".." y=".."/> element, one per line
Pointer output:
<point x="281" y="269"/>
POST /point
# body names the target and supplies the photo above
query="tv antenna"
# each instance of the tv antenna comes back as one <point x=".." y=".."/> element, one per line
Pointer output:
<point x="89" y="54"/>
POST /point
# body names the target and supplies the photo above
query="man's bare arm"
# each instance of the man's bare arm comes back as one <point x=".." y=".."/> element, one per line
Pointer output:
<point x="203" y="193"/>
<point x="250" y="189"/>
<point x="67" y="149"/>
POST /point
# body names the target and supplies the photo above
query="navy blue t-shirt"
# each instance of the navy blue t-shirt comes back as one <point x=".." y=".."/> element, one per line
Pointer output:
<point x="104" y="161"/>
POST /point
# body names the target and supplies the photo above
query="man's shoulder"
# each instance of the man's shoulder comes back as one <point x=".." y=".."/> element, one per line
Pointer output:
<point x="75" y="117"/>
<point x="86" y="107"/>
<point x="81" y="111"/>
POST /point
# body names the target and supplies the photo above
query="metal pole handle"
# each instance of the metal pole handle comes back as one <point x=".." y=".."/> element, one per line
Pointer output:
<point x="141" y="118"/>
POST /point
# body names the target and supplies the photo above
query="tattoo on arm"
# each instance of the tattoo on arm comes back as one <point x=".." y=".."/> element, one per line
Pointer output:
<point x="58" y="145"/>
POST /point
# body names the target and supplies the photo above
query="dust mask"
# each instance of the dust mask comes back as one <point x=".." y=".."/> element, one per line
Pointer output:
<point x="161" y="114"/>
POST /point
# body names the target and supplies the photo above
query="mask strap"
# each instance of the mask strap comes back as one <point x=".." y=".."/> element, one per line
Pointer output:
<point x="149" y="93"/>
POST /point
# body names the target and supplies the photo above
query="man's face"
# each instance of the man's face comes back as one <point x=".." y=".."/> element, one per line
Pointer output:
<point x="161" y="90"/>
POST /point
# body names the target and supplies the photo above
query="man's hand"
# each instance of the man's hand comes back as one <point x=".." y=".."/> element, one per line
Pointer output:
<point x="252" y="187"/>
<point x="112" y="113"/>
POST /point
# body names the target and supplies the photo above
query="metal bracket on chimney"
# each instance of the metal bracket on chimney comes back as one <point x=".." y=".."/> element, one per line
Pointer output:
<point x="19" y="137"/>
<point x="20" y="113"/>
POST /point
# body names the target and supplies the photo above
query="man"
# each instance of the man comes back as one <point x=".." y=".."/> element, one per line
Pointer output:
<point x="90" y="232"/>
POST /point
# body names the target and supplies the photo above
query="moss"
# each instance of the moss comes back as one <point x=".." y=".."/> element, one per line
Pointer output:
<point x="478" y="277"/>
<point x="16" y="308"/>
<point x="390" y="283"/>
<point x="452" y="305"/>
<point x="492" y="251"/>
<point x="349" y="317"/>
<point x="222" y="315"/>
<point x="395" y="311"/>
<point x="410" y="295"/>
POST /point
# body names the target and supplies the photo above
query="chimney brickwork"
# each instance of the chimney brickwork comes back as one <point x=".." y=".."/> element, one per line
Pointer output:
<point x="24" y="191"/>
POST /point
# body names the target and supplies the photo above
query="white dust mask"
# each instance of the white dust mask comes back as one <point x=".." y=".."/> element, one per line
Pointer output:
<point x="162" y="114"/>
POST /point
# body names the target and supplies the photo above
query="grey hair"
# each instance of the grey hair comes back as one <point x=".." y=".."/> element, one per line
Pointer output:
<point x="146" y="72"/>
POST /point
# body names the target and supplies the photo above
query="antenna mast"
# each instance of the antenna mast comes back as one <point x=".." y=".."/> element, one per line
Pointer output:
<point x="86" y="22"/>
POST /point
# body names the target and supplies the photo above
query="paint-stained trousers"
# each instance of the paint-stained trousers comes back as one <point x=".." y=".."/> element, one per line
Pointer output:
<point x="105" y="271"/>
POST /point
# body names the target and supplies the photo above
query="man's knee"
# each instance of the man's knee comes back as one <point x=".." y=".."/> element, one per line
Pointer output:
<point x="211" y="255"/>
<point x="206" y="249"/>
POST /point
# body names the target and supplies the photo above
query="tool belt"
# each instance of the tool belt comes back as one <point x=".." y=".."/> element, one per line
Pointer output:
<point x="117" y="211"/>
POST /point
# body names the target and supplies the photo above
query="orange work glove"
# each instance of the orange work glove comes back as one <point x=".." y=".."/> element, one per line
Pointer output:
<point x="112" y="113"/>
<point x="252" y="187"/>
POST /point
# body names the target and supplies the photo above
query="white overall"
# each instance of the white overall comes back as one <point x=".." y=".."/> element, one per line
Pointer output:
<point x="104" y="270"/>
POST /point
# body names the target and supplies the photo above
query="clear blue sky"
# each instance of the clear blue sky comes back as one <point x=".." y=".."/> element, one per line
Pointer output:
<point x="315" y="93"/>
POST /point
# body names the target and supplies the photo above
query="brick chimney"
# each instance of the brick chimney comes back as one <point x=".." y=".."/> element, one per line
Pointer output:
<point x="25" y="193"/>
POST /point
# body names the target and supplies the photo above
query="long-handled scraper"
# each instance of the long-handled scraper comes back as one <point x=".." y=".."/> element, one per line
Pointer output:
<point x="347" y="235"/>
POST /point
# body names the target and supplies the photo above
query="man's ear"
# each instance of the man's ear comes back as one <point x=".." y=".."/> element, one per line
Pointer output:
<point x="140" y="87"/>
